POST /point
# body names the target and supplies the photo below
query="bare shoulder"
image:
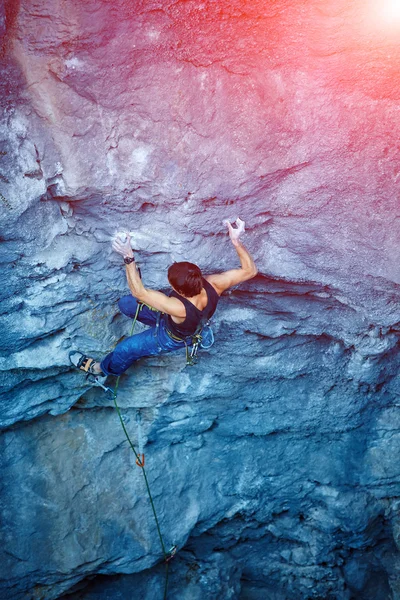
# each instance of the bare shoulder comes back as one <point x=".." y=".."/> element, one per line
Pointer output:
<point x="227" y="279"/>
<point x="170" y="305"/>
<point x="213" y="281"/>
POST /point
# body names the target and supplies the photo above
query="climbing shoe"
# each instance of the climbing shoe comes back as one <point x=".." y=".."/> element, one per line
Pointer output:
<point x="84" y="363"/>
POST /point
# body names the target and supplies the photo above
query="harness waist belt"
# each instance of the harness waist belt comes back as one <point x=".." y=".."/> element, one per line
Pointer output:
<point x="173" y="336"/>
<point x="176" y="338"/>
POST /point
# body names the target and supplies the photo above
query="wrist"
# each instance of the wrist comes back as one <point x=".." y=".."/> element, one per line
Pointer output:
<point x="128" y="259"/>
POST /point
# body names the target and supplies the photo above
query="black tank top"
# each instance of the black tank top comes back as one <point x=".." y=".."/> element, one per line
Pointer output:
<point x="194" y="316"/>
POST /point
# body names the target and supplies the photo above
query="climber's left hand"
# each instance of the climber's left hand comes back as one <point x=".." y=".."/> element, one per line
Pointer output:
<point x="122" y="244"/>
<point x="235" y="233"/>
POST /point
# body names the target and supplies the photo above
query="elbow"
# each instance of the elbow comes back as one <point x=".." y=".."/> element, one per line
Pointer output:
<point x="250" y="273"/>
<point x="140" y="295"/>
<point x="253" y="272"/>
<point x="138" y="292"/>
<point x="143" y="295"/>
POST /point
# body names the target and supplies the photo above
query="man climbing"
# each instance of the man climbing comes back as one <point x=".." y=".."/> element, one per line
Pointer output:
<point x="173" y="319"/>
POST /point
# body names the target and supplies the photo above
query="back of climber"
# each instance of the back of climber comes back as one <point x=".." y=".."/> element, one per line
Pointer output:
<point x="173" y="319"/>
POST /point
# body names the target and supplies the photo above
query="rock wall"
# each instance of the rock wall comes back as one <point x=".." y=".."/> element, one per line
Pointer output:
<point x="273" y="463"/>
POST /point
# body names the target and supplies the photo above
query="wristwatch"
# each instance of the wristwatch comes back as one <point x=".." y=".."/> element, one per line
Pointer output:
<point x="129" y="259"/>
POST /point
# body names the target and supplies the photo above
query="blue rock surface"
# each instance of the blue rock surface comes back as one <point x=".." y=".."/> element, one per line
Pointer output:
<point x="274" y="462"/>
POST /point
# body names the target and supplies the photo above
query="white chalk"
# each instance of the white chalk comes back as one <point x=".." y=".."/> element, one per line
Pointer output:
<point x="121" y="236"/>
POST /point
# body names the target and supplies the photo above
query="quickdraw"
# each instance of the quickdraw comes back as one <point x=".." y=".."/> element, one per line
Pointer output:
<point x="191" y="356"/>
<point x="140" y="459"/>
<point x="171" y="553"/>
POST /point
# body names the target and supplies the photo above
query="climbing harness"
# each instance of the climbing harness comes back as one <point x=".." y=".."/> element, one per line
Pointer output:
<point x="191" y="354"/>
<point x="196" y="342"/>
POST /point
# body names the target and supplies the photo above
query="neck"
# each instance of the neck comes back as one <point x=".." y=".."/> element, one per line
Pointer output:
<point x="188" y="297"/>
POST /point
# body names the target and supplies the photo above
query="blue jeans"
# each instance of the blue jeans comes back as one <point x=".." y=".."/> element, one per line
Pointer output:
<point x="151" y="342"/>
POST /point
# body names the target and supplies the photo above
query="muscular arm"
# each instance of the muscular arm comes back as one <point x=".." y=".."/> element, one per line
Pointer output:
<point x="157" y="300"/>
<point x="224" y="281"/>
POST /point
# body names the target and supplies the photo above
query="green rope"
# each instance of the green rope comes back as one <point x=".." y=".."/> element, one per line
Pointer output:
<point x="115" y="394"/>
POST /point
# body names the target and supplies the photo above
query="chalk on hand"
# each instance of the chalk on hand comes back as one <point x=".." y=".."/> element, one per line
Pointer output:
<point x="121" y="236"/>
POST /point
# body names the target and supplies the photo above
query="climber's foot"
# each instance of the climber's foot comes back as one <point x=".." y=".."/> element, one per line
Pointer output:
<point x="85" y="363"/>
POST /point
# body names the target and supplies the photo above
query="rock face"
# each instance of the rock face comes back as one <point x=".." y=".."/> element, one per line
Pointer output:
<point x="274" y="462"/>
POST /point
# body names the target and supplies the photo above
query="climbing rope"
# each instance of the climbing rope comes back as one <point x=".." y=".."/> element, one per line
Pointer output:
<point x="140" y="462"/>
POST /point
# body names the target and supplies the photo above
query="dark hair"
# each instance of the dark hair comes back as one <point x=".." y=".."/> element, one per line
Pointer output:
<point x="186" y="278"/>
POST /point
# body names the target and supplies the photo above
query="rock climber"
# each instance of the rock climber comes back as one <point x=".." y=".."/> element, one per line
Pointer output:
<point x="173" y="319"/>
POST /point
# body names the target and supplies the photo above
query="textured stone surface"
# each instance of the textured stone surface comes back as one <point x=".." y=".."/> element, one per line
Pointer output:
<point x="273" y="463"/>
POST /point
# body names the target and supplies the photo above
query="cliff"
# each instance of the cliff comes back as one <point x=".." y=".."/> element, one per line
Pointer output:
<point x="274" y="462"/>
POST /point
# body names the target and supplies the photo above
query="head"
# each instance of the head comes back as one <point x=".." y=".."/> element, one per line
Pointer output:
<point x="185" y="278"/>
